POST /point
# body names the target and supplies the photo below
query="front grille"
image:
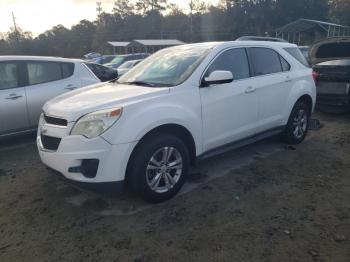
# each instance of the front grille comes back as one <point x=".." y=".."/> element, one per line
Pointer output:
<point x="50" y="143"/>
<point x="55" y="121"/>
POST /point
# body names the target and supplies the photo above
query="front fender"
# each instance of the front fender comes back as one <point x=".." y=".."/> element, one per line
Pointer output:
<point x="139" y="119"/>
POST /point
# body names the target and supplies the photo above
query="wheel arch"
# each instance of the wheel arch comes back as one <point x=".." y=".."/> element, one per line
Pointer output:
<point x="175" y="129"/>
<point x="307" y="99"/>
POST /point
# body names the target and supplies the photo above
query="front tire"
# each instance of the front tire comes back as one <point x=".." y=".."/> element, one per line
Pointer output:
<point x="159" y="167"/>
<point x="298" y="124"/>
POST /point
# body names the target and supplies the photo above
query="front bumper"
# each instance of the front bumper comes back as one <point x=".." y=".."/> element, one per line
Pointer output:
<point x="73" y="150"/>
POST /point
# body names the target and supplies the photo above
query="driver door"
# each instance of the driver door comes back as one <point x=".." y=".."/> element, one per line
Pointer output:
<point x="229" y="111"/>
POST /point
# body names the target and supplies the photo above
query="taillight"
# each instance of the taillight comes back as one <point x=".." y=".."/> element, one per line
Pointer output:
<point x="314" y="76"/>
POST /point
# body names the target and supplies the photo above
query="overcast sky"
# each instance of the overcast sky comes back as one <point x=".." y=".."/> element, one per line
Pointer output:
<point x="39" y="15"/>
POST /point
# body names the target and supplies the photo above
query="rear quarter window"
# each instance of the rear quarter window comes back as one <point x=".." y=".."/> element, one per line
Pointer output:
<point x="297" y="54"/>
<point x="67" y="69"/>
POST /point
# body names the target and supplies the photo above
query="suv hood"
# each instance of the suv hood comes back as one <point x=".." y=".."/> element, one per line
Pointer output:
<point x="337" y="48"/>
<point x="75" y="104"/>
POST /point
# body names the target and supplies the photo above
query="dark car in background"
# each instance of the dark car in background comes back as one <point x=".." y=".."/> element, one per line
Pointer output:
<point x="92" y="55"/>
<point x="103" y="73"/>
<point x="105" y="59"/>
<point x="331" y="62"/>
<point x="121" y="59"/>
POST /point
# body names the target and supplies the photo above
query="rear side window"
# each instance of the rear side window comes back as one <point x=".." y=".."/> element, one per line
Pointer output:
<point x="298" y="55"/>
<point x="265" y="61"/>
<point x="44" y="72"/>
<point x="9" y="77"/>
<point x="233" y="60"/>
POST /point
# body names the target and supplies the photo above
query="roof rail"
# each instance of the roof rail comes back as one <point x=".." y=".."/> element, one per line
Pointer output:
<point x="261" y="38"/>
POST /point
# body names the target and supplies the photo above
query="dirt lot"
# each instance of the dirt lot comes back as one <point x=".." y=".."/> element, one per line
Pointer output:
<point x="266" y="202"/>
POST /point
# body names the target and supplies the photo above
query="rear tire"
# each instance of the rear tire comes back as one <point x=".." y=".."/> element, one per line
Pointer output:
<point x="298" y="124"/>
<point x="158" y="167"/>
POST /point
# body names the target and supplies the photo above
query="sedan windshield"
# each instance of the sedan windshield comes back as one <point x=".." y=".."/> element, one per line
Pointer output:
<point x="127" y="65"/>
<point x="118" y="60"/>
<point x="168" y="67"/>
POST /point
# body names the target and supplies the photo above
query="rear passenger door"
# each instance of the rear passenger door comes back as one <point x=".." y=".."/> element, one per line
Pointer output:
<point x="13" y="104"/>
<point x="273" y="82"/>
<point x="47" y="80"/>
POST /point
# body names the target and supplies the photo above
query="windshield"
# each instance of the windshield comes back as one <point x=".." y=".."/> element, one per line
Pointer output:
<point x="168" y="67"/>
<point x="126" y="65"/>
<point x="118" y="60"/>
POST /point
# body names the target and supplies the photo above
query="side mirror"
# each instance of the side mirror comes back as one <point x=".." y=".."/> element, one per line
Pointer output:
<point x="218" y="77"/>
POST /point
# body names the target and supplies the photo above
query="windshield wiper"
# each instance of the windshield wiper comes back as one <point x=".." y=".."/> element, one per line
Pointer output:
<point x="140" y="83"/>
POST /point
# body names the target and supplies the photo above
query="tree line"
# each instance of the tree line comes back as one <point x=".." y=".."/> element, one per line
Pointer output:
<point x="157" y="19"/>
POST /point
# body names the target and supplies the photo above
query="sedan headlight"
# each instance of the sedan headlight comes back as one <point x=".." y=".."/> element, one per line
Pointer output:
<point x="94" y="124"/>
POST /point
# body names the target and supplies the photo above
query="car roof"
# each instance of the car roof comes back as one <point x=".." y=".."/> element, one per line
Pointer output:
<point x="223" y="45"/>
<point x="38" y="58"/>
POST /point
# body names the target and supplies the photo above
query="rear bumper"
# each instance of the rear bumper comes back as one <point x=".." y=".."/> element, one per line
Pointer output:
<point x="333" y="100"/>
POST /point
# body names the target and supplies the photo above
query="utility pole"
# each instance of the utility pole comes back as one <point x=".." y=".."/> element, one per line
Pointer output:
<point x="16" y="31"/>
<point x="99" y="8"/>
<point x="191" y="20"/>
<point x="14" y="22"/>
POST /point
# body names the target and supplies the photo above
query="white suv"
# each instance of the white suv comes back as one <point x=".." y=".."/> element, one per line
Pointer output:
<point x="180" y="104"/>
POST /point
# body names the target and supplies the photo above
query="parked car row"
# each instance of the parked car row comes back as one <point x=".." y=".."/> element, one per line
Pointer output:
<point x="181" y="104"/>
<point x="121" y="59"/>
<point x="120" y="63"/>
<point x="26" y="83"/>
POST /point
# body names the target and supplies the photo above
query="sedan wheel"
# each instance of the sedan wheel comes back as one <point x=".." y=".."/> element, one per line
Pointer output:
<point x="164" y="169"/>
<point x="300" y="123"/>
<point x="159" y="167"/>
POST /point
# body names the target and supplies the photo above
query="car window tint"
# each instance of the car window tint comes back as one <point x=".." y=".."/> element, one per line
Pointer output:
<point x="285" y="64"/>
<point x="67" y="69"/>
<point x="8" y="75"/>
<point x="234" y="60"/>
<point x="266" y="61"/>
<point x="101" y="72"/>
<point x="298" y="55"/>
<point x="43" y="72"/>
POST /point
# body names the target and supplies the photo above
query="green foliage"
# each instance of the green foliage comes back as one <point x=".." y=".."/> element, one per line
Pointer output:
<point x="152" y="19"/>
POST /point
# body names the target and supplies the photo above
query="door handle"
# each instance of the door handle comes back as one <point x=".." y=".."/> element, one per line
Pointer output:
<point x="70" y="87"/>
<point x="250" y="89"/>
<point x="288" y="79"/>
<point x="13" y="97"/>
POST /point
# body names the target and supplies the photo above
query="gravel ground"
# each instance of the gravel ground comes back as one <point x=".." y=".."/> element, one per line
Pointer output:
<point x="266" y="202"/>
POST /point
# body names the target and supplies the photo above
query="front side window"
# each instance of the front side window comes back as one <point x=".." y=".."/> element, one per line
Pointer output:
<point x="233" y="60"/>
<point x="265" y="61"/>
<point x="8" y="75"/>
<point x="43" y="72"/>
<point x="168" y="67"/>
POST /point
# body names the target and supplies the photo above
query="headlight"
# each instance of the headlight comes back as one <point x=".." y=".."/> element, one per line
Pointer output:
<point x="94" y="124"/>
